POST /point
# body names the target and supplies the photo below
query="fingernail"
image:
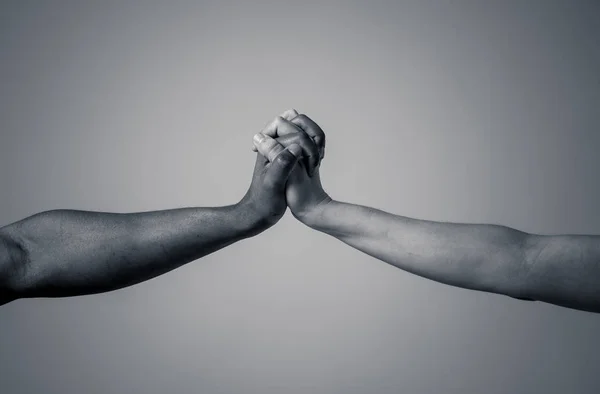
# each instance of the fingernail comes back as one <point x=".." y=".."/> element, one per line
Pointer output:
<point x="258" y="138"/>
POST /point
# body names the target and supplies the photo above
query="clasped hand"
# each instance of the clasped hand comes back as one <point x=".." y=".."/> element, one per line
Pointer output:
<point x="286" y="173"/>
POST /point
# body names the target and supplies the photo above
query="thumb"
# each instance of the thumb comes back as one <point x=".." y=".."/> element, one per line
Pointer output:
<point x="280" y="168"/>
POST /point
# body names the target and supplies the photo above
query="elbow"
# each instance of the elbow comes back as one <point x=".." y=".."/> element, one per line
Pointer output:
<point x="509" y="270"/>
<point x="13" y="264"/>
<point x="526" y="254"/>
<point x="520" y="287"/>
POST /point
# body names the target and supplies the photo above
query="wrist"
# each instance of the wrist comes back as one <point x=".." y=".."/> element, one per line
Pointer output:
<point x="251" y="220"/>
<point x="313" y="215"/>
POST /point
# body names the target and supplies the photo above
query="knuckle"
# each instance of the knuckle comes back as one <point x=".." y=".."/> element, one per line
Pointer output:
<point x="275" y="149"/>
<point x="319" y="139"/>
<point x="304" y="138"/>
<point x="299" y="120"/>
<point x="262" y="148"/>
<point x="284" y="159"/>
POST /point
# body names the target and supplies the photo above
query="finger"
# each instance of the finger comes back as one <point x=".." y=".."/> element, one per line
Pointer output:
<point x="260" y="164"/>
<point x="280" y="169"/>
<point x="270" y="148"/>
<point x="281" y="127"/>
<point x="271" y="128"/>
<point x="267" y="146"/>
<point x="289" y="114"/>
<point x="309" y="149"/>
<point x="312" y="129"/>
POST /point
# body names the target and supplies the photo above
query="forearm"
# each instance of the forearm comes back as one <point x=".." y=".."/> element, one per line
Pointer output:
<point x="479" y="257"/>
<point x="68" y="253"/>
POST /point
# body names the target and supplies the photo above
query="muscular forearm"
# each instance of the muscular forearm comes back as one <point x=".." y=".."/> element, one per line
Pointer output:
<point x="66" y="253"/>
<point x="559" y="269"/>
<point x="480" y="257"/>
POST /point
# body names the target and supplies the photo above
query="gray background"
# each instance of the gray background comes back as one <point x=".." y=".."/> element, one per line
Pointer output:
<point x="454" y="111"/>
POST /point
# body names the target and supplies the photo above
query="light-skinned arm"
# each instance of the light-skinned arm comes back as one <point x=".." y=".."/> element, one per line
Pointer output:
<point x="558" y="269"/>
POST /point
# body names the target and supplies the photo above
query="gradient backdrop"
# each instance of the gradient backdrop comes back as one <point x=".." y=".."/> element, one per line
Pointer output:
<point x="455" y="111"/>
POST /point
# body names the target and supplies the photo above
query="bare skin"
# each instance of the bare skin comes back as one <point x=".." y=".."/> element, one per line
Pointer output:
<point x="65" y="253"/>
<point x="559" y="269"/>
